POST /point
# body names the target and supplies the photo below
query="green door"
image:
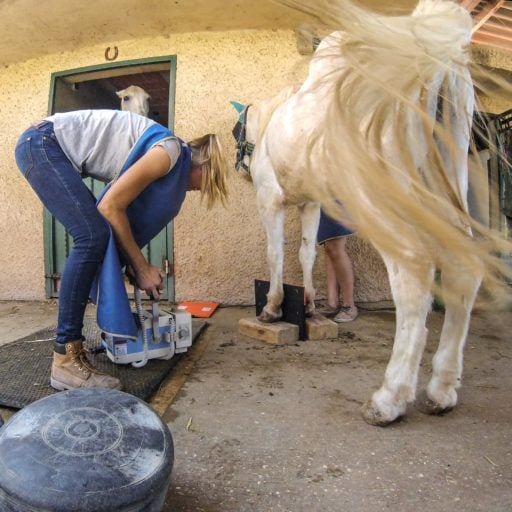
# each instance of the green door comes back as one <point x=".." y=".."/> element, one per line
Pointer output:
<point x="96" y="87"/>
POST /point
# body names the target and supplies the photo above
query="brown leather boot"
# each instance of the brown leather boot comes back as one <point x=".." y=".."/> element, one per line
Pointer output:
<point x="72" y="370"/>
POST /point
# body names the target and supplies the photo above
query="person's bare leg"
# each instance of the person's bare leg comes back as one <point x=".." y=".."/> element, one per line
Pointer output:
<point x="333" y="290"/>
<point x="342" y="266"/>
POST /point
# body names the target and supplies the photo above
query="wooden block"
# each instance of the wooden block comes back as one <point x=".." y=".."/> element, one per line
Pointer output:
<point x="277" y="333"/>
<point x="320" y="328"/>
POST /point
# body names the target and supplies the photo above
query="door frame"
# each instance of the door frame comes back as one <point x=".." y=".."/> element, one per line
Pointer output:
<point x="49" y="222"/>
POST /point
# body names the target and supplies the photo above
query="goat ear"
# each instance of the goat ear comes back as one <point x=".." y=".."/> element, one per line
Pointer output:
<point x="120" y="94"/>
<point x="238" y="106"/>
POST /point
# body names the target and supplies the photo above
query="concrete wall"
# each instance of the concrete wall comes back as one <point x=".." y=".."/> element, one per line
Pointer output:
<point x="218" y="253"/>
<point x="496" y="101"/>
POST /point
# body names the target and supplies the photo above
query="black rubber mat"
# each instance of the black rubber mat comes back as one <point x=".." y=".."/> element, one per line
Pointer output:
<point x="25" y="367"/>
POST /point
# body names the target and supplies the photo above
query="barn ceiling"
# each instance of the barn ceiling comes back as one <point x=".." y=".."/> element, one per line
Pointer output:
<point x="493" y="22"/>
<point x="32" y="28"/>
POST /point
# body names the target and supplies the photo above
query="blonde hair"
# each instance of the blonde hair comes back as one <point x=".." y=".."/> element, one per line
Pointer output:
<point x="208" y="153"/>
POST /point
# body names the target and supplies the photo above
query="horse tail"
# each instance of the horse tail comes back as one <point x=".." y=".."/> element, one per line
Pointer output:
<point x="397" y="131"/>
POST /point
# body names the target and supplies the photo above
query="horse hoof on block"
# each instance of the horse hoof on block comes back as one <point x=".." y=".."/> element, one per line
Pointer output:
<point x="310" y="311"/>
<point x="268" y="318"/>
<point x="426" y="405"/>
<point x="374" y="417"/>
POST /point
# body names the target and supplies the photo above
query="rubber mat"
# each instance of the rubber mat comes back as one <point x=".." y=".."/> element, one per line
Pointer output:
<point x="25" y="367"/>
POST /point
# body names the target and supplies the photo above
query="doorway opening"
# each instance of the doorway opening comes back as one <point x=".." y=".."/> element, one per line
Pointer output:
<point x="95" y="87"/>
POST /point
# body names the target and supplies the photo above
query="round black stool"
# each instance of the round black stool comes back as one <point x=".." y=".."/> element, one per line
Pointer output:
<point x="86" y="450"/>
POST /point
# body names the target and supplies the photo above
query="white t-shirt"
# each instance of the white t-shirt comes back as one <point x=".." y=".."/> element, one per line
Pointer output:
<point x="98" y="142"/>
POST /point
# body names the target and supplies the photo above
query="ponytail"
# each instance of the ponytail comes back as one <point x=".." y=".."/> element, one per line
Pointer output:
<point x="207" y="153"/>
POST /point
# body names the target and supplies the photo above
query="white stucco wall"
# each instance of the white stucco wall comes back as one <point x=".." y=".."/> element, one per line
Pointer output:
<point x="497" y="101"/>
<point x="218" y="254"/>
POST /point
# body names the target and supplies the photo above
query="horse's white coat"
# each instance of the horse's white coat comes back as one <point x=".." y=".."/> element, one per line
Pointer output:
<point x="134" y="99"/>
<point x="287" y="168"/>
<point x="273" y="193"/>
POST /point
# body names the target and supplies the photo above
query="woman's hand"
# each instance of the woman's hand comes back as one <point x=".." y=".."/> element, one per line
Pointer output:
<point x="150" y="279"/>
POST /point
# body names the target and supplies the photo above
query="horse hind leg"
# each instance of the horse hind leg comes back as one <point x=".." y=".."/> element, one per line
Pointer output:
<point x="440" y="395"/>
<point x="310" y="217"/>
<point x="413" y="302"/>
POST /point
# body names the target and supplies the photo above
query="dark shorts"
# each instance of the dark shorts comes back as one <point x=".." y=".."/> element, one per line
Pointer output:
<point x="329" y="229"/>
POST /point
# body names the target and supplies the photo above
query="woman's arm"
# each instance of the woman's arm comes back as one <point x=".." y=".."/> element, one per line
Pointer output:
<point x="153" y="165"/>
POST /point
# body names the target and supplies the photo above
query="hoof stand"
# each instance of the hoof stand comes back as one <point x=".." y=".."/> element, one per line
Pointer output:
<point x="276" y="333"/>
<point x="280" y="333"/>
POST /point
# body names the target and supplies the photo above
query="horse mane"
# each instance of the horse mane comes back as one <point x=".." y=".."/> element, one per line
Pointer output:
<point x="391" y="65"/>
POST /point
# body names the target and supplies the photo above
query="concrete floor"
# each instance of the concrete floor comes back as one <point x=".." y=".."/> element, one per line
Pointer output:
<point x="277" y="428"/>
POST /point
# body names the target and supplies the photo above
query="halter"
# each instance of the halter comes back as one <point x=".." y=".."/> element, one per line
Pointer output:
<point x="243" y="148"/>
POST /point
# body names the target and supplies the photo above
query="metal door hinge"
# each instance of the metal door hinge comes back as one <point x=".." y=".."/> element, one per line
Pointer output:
<point x="55" y="276"/>
<point x="168" y="267"/>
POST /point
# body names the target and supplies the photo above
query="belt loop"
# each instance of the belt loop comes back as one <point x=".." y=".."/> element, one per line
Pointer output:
<point x="41" y="124"/>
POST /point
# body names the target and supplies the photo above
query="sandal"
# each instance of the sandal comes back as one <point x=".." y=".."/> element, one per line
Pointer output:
<point x="327" y="310"/>
<point x="346" y="314"/>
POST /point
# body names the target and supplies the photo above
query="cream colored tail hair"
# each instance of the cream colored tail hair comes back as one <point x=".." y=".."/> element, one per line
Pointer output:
<point x="380" y="96"/>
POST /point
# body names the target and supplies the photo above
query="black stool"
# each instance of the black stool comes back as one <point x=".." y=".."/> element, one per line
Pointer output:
<point x="86" y="450"/>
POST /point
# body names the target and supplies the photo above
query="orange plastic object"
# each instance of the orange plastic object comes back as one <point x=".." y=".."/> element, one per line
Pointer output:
<point x="198" y="309"/>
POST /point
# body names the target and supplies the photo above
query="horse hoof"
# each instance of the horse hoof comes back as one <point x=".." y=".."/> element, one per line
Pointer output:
<point x="426" y="405"/>
<point x="374" y="417"/>
<point x="268" y="318"/>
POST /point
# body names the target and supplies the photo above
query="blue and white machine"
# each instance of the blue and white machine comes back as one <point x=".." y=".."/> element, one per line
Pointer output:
<point x="161" y="335"/>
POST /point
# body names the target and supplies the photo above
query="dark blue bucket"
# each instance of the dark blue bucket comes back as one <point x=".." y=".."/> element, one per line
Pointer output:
<point x="86" y="450"/>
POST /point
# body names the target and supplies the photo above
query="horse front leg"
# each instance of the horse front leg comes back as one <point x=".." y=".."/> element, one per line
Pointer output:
<point x="412" y="301"/>
<point x="441" y="395"/>
<point x="310" y="217"/>
<point x="272" y="216"/>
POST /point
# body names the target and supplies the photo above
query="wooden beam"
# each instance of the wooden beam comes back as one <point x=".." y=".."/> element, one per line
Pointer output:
<point x="469" y="4"/>
<point x="112" y="72"/>
<point x="276" y="333"/>
<point x="486" y="13"/>
<point x="504" y="14"/>
<point x="492" y="40"/>
<point x="497" y="28"/>
<point x="491" y="34"/>
<point x="320" y="328"/>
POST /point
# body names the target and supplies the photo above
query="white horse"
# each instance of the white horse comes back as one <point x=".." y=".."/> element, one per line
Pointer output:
<point x="273" y="193"/>
<point x="382" y="125"/>
<point x="134" y="99"/>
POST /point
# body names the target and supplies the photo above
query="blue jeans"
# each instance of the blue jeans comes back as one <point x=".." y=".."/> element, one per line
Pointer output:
<point x="61" y="189"/>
